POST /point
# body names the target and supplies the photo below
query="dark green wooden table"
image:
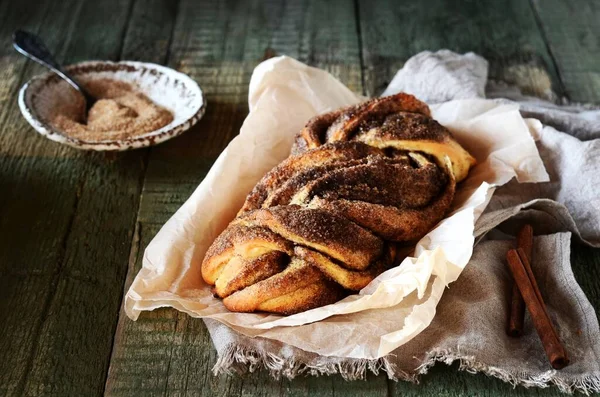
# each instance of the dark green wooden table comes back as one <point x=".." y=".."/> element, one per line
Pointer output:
<point x="74" y="224"/>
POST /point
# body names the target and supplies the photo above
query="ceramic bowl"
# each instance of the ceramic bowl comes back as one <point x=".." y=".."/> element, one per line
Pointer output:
<point x="41" y="96"/>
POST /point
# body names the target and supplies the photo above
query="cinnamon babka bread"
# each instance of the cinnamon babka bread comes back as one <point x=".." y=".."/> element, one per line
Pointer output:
<point x="326" y="221"/>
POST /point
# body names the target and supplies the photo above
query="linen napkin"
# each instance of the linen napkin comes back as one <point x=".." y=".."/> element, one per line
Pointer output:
<point x="469" y="324"/>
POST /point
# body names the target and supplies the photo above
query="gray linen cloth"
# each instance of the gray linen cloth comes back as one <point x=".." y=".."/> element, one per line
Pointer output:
<point x="470" y="322"/>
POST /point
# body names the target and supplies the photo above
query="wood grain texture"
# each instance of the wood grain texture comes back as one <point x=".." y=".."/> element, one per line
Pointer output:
<point x="31" y="236"/>
<point x="572" y="29"/>
<point x="504" y="32"/>
<point x="68" y="221"/>
<point x="73" y="224"/>
<point x="218" y="45"/>
<point x="586" y="267"/>
<point x="149" y="32"/>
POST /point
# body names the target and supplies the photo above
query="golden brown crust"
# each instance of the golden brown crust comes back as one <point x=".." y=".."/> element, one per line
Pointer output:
<point x="247" y="242"/>
<point x="380" y="181"/>
<point x="372" y="112"/>
<point x="349" y="279"/>
<point x="338" y="152"/>
<point x="336" y="125"/>
<point x="297" y="288"/>
<point x="314" y="132"/>
<point x="399" y="121"/>
<point x="333" y="235"/>
<point x="240" y="272"/>
<point x="360" y="182"/>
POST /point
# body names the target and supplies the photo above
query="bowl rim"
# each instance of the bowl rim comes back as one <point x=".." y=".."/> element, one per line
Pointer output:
<point x="149" y="139"/>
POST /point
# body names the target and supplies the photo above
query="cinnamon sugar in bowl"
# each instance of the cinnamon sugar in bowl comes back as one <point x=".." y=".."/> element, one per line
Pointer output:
<point x="138" y="104"/>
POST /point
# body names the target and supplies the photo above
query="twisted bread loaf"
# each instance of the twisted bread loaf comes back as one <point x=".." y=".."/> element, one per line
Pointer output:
<point x="328" y="219"/>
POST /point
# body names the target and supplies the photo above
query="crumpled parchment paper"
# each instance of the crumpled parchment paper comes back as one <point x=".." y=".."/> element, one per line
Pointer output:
<point x="283" y="95"/>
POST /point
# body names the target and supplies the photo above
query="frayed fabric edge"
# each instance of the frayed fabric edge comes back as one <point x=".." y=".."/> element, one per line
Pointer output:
<point x="241" y="359"/>
<point x="586" y="384"/>
<point x="238" y="359"/>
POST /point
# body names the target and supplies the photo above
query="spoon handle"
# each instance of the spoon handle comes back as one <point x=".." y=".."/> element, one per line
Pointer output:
<point x="34" y="48"/>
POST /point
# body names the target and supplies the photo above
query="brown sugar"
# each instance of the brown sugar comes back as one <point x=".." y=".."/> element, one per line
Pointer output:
<point x="119" y="113"/>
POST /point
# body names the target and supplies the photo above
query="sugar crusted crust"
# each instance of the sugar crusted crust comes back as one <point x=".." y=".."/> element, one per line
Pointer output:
<point x="327" y="220"/>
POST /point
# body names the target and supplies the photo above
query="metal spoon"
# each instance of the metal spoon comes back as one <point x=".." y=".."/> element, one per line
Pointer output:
<point x="34" y="48"/>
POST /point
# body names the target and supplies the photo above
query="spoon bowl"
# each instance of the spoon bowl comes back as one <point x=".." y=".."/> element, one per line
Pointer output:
<point x="41" y="98"/>
<point x="34" y="48"/>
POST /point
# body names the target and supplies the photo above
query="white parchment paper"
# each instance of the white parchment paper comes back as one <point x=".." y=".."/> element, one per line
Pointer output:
<point x="283" y="95"/>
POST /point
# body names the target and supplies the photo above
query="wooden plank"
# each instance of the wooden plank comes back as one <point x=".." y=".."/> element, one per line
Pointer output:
<point x="505" y="32"/>
<point x="586" y="267"/>
<point x="63" y="282"/>
<point x="44" y="198"/>
<point x="99" y="242"/>
<point x="150" y="31"/>
<point x="23" y="255"/>
<point x="14" y="15"/>
<point x="219" y="45"/>
<point x="572" y="29"/>
<point x="70" y="354"/>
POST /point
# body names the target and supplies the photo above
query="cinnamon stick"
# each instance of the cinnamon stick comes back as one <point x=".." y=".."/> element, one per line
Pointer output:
<point x="516" y="316"/>
<point x="521" y="270"/>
